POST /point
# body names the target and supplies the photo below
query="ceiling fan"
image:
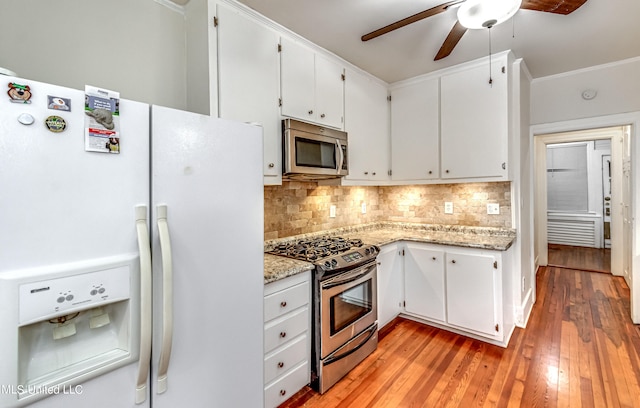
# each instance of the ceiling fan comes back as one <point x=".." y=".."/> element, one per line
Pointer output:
<point x="477" y="14"/>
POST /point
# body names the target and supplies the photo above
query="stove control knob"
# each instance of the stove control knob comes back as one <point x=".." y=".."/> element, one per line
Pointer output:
<point x="367" y="251"/>
<point x="327" y="265"/>
<point x="334" y="262"/>
<point x="373" y="250"/>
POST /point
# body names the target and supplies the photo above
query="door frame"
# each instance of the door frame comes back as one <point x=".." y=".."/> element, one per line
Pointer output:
<point x="632" y="119"/>
<point x="541" y="142"/>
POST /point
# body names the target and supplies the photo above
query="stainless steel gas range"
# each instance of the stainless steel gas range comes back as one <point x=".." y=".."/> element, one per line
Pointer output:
<point x="345" y="304"/>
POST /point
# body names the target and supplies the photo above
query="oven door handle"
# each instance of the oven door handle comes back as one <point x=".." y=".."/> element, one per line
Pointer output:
<point x="337" y="282"/>
<point x="332" y="358"/>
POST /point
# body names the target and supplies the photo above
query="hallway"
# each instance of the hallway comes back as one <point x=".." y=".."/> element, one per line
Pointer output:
<point x="580" y="258"/>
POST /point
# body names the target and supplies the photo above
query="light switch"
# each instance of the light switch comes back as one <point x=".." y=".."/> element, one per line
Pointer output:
<point x="448" y="207"/>
<point x="332" y="211"/>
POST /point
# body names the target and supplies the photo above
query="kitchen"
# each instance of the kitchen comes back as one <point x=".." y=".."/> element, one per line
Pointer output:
<point x="552" y="101"/>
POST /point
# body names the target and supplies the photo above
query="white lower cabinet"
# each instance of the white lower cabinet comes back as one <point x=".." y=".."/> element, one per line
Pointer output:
<point x="474" y="292"/>
<point x="287" y="337"/>
<point x="389" y="283"/>
<point x="464" y="290"/>
<point x="424" y="281"/>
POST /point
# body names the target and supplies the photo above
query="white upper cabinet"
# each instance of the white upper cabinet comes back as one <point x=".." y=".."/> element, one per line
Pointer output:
<point x="329" y="92"/>
<point x="248" y="81"/>
<point x="453" y="125"/>
<point x="312" y="86"/>
<point x="415" y="131"/>
<point x="367" y="124"/>
<point x="475" y="121"/>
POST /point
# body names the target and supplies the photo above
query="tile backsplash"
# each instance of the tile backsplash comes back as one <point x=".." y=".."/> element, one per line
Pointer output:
<point x="303" y="207"/>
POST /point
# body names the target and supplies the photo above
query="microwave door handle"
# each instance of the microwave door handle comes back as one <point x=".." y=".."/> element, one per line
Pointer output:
<point x="341" y="159"/>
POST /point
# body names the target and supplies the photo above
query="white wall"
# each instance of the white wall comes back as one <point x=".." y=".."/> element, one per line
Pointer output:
<point x="134" y="47"/>
<point x="559" y="97"/>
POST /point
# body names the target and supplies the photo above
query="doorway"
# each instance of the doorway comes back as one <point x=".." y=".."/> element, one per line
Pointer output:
<point x="578" y="176"/>
<point x="618" y="246"/>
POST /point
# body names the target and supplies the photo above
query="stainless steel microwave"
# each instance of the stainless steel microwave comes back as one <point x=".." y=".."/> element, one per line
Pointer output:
<point x="313" y="152"/>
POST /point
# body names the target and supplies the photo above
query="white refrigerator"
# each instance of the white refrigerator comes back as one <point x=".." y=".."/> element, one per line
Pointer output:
<point x="128" y="279"/>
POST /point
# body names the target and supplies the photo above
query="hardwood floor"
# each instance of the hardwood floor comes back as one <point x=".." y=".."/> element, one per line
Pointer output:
<point x="581" y="258"/>
<point x="580" y="349"/>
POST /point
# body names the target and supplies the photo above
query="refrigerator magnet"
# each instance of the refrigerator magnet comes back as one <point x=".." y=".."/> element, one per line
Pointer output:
<point x="26" y="119"/>
<point x="55" y="124"/>
<point x="57" y="103"/>
<point x="19" y="93"/>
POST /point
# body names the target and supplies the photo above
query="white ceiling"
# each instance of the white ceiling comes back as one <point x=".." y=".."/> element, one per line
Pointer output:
<point x="601" y="31"/>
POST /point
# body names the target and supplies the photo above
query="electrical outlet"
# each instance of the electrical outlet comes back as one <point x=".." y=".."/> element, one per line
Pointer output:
<point x="364" y="208"/>
<point x="448" y="207"/>
<point x="493" y="208"/>
<point x="332" y="211"/>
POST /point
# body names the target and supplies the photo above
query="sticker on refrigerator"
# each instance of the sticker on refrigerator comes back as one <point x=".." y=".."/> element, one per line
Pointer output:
<point x="102" y="120"/>
<point x="55" y="124"/>
<point x="57" y="103"/>
<point x="19" y="93"/>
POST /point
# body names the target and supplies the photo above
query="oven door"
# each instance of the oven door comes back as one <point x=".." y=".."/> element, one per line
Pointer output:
<point x="348" y="305"/>
<point x="312" y="154"/>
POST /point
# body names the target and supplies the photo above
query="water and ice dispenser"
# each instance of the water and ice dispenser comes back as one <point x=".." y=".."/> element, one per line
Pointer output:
<point x="63" y="325"/>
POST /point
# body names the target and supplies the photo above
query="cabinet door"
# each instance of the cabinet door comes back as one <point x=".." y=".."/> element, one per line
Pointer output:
<point x="298" y="80"/>
<point x="414" y="131"/>
<point x="329" y="103"/>
<point x="474" y="122"/>
<point x="389" y="284"/>
<point x="249" y="81"/>
<point x="424" y="281"/>
<point x="367" y="123"/>
<point x="471" y="292"/>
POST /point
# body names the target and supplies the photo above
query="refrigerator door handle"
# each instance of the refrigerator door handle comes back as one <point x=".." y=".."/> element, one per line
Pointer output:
<point x="167" y="298"/>
<point x="144" y="248"/>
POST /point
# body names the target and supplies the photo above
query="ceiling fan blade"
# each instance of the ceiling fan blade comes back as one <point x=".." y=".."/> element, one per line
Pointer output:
<point x="553" y="6"/>
<point x="451" y="41"/>
<point x="406" y="21"/>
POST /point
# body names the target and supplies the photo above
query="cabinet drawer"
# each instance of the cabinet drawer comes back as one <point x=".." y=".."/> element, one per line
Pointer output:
<point x="285" y="301"/>
<point x="278" y="332"/>
<point x="284" y="388"/>
<point x="285" y="359"/>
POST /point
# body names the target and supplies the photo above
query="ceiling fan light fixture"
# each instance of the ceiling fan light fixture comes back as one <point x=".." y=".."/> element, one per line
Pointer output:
<point x="477" y="14"/>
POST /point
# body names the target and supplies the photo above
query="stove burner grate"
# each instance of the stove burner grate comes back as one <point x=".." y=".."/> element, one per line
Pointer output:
<point x="315" y="249"/>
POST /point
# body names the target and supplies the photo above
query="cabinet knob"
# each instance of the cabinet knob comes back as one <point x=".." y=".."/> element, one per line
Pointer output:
<point x="283" y="303"/>
<point x="366" y="172"/>
<point x="322" y="115"/>
<point x="280" y="364"/>
<point x="310" y="112"/>
<point x="430" y="172"/>
<point x="271" y="165"/>
<point x="283" y="393"/>
<point x="374" y="173"/>
<point x="434" y="258"/>
<point x="283" y="335"/>
<point x="453" y="261"/>
<point x="446" y="171"/>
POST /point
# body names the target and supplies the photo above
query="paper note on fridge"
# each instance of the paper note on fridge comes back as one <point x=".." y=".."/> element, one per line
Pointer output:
<point x="102" y="120"/>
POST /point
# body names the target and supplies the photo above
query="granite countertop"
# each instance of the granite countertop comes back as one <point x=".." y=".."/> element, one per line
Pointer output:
<point x="383" y="233"/>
